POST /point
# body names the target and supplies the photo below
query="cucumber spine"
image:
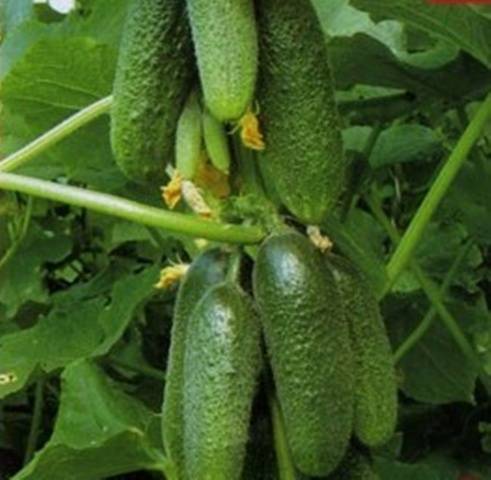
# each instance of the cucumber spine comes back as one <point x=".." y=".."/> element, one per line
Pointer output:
<point x="375" y="377"/>
<point x="304" y="155"/>
<point x="309" y="349"/>
<point x="225" y="41"/>
<point x="153" y="77"/>
<point x="208" y="269"/>
<point x="222" y="363"/>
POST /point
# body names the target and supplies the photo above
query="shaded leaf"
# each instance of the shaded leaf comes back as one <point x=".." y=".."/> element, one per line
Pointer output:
<point x="99" y="432"/>
<point x="403" y="144"/>
<point x="435" y="371"/>
<point x="463" y="27"/>
<point x="77" y="327"/>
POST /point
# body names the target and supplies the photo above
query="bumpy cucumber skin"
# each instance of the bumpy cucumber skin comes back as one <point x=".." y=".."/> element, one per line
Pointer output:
<point x="309" y="348"/>
<point x="375" y="377"/>
<point x="216" y="142"/>
<point x="355" y="466"/>
<point x="225" y="40"/>
<point x="304" y="150"/>
<point x="189" y="138"/>
<point x="222" y="362"/>
<point x="207" y="270"/>
<point x="153" y="76"/>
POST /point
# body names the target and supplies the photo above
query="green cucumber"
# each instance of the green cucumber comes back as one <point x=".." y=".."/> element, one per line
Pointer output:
<point x="304" y="150"/>
<point x="309" y="348"/>
<point x="222" y="363"/>
<point x="225" y="41"/>
<point x="207" y="270"/>
<point x="216" y="142"/>
<point x="375" y="377"/>
<point x="153" y="76"/>
<point x="189" y="138"/>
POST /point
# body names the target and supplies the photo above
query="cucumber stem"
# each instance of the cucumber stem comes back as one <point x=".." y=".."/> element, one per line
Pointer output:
<point x="443" y="181"/>
<point x="55" y="135"/>
<point x="133" y="211"/>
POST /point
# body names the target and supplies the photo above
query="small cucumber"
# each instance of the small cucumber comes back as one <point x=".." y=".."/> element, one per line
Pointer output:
<point x="222" y="362"/>
<point x="153" y="76"/>
<point x="225" y="41"/>
<point x="309" y="347"/>
<point x="375" y="377"/>
<point x="216" y="142"/>
<point x="304" y="155"/>
<point x="189" y="138"/>
<point x="207" y="270"/>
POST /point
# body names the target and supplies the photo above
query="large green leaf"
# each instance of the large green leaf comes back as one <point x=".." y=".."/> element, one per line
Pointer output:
<point x="99" y="432"/>
<point x="81" y="325"/>
<point x="463" y="26"/>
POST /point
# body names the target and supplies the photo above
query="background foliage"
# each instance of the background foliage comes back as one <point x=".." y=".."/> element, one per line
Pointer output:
<point x="86" y="334"/>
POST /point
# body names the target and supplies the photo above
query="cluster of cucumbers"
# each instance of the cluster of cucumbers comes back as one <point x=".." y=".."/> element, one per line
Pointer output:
<point x="326" y="348"/>
<point x="188" y="72"/>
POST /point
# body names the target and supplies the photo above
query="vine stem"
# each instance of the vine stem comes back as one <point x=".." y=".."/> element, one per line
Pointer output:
<point x="432" y="292"/>
<point x="133" y="211"/>
<point x="414" y="232"/>
<point x="20" y="235"/>
<point x="56" y="134"/>
<point x="286" y="470"/>
<point x="427" y="321"/>
<point x="37" y="414"/>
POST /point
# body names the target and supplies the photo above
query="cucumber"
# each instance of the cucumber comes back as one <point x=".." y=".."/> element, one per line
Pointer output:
<point x="225" y="41"/>
<point x="355" y="466"/>
<point x="222" y="362"/>
<point x="304" y="150"/>
<point x="153" y="76"/>
<point x="207" y="270"/>
<point x="189" y="138"/>
<point x="216" y="142"/>
<point x="375" y="376"/>
<point x="309" y="347"/>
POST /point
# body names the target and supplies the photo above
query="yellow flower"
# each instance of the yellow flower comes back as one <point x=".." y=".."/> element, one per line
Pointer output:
<point x="172" y="192"/>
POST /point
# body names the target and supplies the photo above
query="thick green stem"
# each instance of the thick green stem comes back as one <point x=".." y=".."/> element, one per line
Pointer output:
<point x="56" y="134"/>
<point x="414" y="232"/>
<point x="427" y="321"/>
<point x="286" y="470"/>
<point x="132" y="211"/>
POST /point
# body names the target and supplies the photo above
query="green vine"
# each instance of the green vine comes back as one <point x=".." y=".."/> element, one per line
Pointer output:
<point x="55" y="135"/>
<point x="414" y="232"/>
<point x="133" y="211"/>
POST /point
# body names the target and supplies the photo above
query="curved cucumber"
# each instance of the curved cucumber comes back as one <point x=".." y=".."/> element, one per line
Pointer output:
<point x="189" y="138"/>
<point x="225" y="41"/>
<point x="153" y="77"/>
<point x="304" y="151"/>
<point x="375" y="378"/>
<point x="216" y="142"/>
<point x="309" y="348"/>
<point x="207" y="270"/>
<point x="222" y="362"/>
